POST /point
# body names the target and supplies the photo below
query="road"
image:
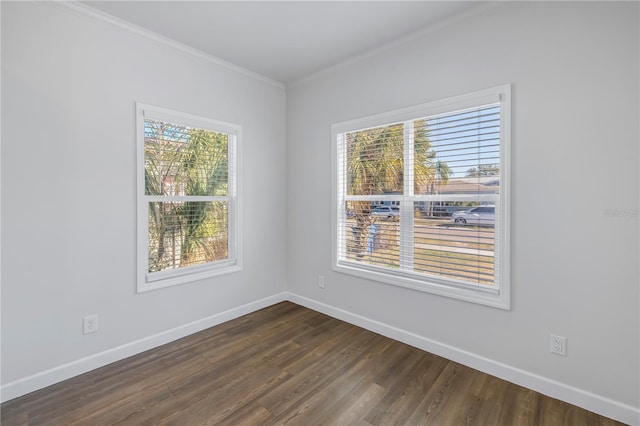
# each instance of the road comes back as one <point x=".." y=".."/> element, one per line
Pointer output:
<point x="442" y="235"/>
<point x="463" y="234"/>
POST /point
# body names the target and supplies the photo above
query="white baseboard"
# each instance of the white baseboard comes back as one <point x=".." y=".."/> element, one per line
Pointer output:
<point x="63" y="372"/>
<point x="581" y="398"/>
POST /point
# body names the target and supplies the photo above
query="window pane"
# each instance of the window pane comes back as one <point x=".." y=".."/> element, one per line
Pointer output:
<point x="445" y="246"/>
<point x="181" y="160"/>
<point x="375" y="163"/>
<point x="187" y="233"/>
<point x="465" y="152"/>
<point x="372" y="233"/>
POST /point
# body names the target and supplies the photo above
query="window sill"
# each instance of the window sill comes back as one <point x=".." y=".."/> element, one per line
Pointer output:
<point x="479" y="295"/>
<point x="147" y="283"/>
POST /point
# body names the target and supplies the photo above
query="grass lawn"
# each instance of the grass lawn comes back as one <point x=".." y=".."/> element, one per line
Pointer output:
<point x="463" y="253"/>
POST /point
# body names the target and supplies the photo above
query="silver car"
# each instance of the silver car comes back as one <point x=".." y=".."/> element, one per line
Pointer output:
<point x="481" y="216"/>
<point x="386" y="212"/>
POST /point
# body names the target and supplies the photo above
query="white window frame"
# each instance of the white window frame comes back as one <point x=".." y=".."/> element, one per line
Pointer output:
<point x="151" y="281"/>
<point x="494" y="297"/>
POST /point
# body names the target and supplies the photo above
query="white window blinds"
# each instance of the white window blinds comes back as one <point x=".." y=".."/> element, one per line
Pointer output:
<point x="420" y="200"/>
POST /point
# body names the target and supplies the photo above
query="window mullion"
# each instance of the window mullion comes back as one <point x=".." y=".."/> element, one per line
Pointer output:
<point x="406" y="205"/>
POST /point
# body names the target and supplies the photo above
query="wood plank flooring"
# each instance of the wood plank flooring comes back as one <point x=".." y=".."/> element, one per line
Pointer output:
<point x="289" y="365"/>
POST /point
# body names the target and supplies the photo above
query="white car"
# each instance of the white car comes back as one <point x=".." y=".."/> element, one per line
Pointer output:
<point x="386" y="212"/>
<point x="481" y="215"/>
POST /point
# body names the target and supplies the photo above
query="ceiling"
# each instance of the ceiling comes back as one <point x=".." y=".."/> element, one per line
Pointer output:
<point x="284" y="40"/>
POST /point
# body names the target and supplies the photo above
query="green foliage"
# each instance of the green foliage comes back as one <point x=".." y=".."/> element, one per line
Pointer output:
<point x="375" y="166"/>
<point x="484" y="170"/>
<point x="375" y="160"/>
<point x="424" y="170"/>
<point x="205" y="163"/>
<point x="182" y="161"/>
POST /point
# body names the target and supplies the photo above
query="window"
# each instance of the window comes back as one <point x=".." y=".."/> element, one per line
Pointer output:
<point x="187" y="197"/>
<point x="421" y="197"/>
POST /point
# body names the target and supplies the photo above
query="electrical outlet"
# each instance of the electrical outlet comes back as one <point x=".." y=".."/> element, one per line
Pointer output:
<point x="321" y="281"/>
<point x="558" y="345"/>
<point x="90" y="324"/>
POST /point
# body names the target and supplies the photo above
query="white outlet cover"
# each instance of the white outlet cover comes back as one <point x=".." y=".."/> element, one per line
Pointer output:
<point x="558" y="345"/>
<point x="90" y="324"/>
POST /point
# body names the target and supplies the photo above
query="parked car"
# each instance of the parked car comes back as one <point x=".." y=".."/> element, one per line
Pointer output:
<point x="440" y="211"/>
<point x="427" y="210"/>
<point x="481" y="215"/>
<point x="386" y="212"/>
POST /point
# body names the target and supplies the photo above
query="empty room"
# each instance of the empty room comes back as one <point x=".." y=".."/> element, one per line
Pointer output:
<point x="331" y="213"/>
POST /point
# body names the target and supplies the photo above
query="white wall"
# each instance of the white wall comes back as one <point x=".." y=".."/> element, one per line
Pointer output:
<point x="574" y="70"/>
<point x="69" y="87"/>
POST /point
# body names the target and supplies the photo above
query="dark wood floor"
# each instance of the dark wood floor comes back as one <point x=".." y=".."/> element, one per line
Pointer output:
<point x="289" y="365"/>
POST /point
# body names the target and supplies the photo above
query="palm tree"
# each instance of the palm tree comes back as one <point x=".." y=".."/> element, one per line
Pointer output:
<point x="162" y="154"/>
<point x="441" y="174"/>
<point x="185" y="161"/>
<point x="205" y="166"/>
<point x="375" y="166"/>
